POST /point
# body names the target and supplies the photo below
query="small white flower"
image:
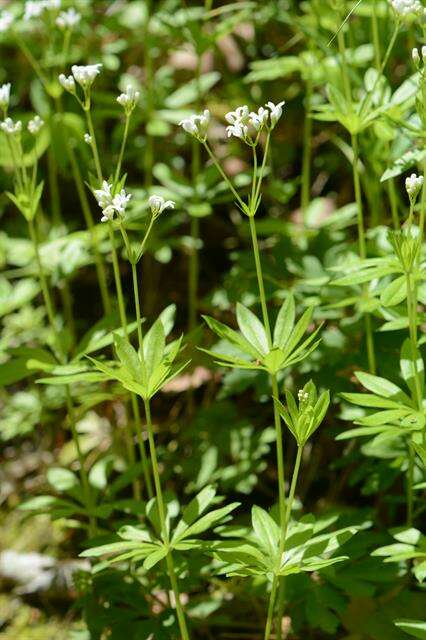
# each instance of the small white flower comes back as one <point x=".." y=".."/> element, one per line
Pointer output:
<point x="85" y="75"/>
<point x="6" y="20"/>
<point x="104" y="195"/>
<point x="408" y="7"/>
<point x="87" y="138"/>
<point x="68" y="19"/>
<point x="35" y="125"/>
<point x="109" y="203"/>
<point x="158" y="205"/>
<point x="5" y="96"/>
<point x="34" y="9"/>
<point x="238" y="130"/>
<point x="68" y="83"/>
<point x="416" y="56"/>
<point x="197" y="125"/>
<point x="276" y="111"/>
<point x="239" y="116"/>
<point x="260" y="119"/>
<point x="413" y="184"/>
<point x="10" y="127"/>
<point x="129" y="99"/>
<point x="424" y="53"/>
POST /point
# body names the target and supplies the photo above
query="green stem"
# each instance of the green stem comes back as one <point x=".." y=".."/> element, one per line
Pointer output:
<point x="122" y="149"/>
<point x="410" y="482"/>
<point x="149" y="93"/>
<point x="375" y="32"/>
<point x="223" y="174"/>
<point x="163" y="522"/>
<point x="276" y="579"/>
<point x="94" y="145"/>
<point x="194" y="269"/>
<point x="362" y="247"/>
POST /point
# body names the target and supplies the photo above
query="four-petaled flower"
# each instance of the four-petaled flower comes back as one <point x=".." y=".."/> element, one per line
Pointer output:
<point x="276" y="111"/>
<point x="35" y="125"/>
<point x="110" y="203"/>
<point x="10" y="127"/>
<point x="197" y="125"/>
<point x="67" y="82"/>
<point x="68" y="19"/>
<point x="85" y="74"/>
<point x="158" y="205"/>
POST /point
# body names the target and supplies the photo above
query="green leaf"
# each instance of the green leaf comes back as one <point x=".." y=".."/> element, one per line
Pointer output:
<point x="128" y="357"/>
<point x="285" y="322"/>
<point x="380" y="386"/>
<point x="395" y="292"/>
<point x="154" y="344"/>
<point x="154" y="558"/>
<point x="267" y="531"/>
<point x="252" y="329"/>
<point x="194" y="510"/>
<point x="62" y="479"/>
<point x="414" y="628"/>
<point x="226" y="333"/>
<point x="209" y="520"/>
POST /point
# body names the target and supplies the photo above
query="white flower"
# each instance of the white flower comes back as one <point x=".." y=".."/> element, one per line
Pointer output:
<point x="408" y="7"/>
<point x="104" y="195"/>
<point x="35" y="8"/>
<point x="10" y="127"/>
<point x="424" y="53"/>
<point x="158" y="205"/>
<point x="197" y="125"/>
<point x="238" y="130"/>
<point x="276" y="111"/>
<point x="239" y="116"/>
<point x="5" y="95"/>
<point x="68" y="83"/>
<point x="35" y="125"/>
<point x="413" y="184"/>
<point x="416" y="56"/>
<point x="129" y="99"/>
<point x="87" y="138"/>
<point x="6" y="20"/>
<point x="68" y="19"/>
<point x="260" y="119"/>
<point x="109" y="203"/>
<point x="85" y="75"/>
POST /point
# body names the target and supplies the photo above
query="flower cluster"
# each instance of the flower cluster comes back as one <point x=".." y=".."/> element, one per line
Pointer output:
<point x="158" y="205"/>
<point x="5" y="96"/>
<point x="413" y="184"/>
<point x="111" y="203"/>
<point x="85" y="76"/>
<point x="35" y="8"/>
<point x="10" y="127"/>
<point x="35" y="125"/>
<point x="68" y="19"/>
<point x="197" y="125"/>
<point x="406" y="8"/>
<point x="129" y="99"/>
<point x="6" y="19"/>
<point x="242" y="122"/>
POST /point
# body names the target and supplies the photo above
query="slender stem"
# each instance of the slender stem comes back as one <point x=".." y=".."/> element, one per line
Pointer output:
<point x="122" y="149"/>
<point x="362" y="248"/>
<point x="149" y="93"/>
<point x="345" y="70"/>
<point x="260" y="282"/>
<point x="94" y="145"/>
<point x="163" y="522"/>
<point x="270" y="617"/>
<point x="194" y="269"/>
<point x="375" y="32"/>
<point x="275" y="582"/>
<point x="410" y="482"/>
